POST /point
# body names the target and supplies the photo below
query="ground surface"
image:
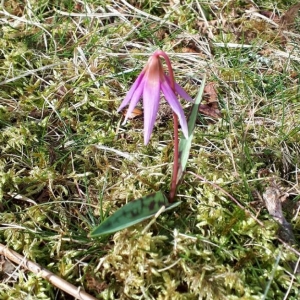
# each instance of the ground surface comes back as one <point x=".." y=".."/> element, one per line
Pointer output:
<point x="65" y="67"/>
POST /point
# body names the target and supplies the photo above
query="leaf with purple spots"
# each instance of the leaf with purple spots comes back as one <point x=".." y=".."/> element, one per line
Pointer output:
<point x="133" y="212"/>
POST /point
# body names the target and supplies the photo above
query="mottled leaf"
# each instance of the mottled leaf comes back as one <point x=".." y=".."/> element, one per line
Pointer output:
<point x="133" y="213"/>
<point x="185" y="144"/>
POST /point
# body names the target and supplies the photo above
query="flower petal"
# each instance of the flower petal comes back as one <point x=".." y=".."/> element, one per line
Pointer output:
<point x="131" y="91"/>
<point x="151" y="99"/>
<point x="176" y="106"/>
<point x="135" y="99"/>
<point x="180" y="90"/>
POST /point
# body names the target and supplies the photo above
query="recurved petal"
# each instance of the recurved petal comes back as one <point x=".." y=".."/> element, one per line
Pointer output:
<point x="131" y="92"/>
<point x="176" y="106"/>
<point x="135" y="99"/>
<point x="151" y="95"/>
<point x="180" y="90"/>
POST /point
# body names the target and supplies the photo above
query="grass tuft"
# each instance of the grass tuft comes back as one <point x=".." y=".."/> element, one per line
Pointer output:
<point x="67" y="162"/>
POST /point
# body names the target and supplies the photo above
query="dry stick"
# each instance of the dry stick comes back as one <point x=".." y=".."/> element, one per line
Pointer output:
<point x="44" y="273"/>
<point x="227" y="194"/>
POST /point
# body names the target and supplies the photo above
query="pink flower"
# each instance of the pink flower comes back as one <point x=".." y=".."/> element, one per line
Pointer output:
<point x="148" y="85"/>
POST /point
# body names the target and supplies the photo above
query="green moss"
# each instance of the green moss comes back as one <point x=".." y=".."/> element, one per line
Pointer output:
<point x="64" y="71"/>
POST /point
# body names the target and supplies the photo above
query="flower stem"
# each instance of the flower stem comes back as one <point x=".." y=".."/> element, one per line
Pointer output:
<point x="173" y="187"/>
<point x="175" y="163"/>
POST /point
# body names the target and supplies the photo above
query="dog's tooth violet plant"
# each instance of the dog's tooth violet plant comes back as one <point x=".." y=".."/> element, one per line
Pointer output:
<point x="148" y="86"/>
<point x="151" y="81"/>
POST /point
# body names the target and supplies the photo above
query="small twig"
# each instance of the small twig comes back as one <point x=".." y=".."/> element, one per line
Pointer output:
<point x="228" y="195"/>
<point x="44" y="273"/>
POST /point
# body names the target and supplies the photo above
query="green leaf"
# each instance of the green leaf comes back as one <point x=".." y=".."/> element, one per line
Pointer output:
<point x="185" y="144"/>
<point x="133" y="213"/>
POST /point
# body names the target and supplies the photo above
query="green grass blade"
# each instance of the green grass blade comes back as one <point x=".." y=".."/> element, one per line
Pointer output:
<point x="185" y="144"/>
<point x="133" y="213"/>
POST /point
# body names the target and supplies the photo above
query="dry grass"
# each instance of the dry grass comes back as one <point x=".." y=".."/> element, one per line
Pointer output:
<point x="66" y="66"/>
